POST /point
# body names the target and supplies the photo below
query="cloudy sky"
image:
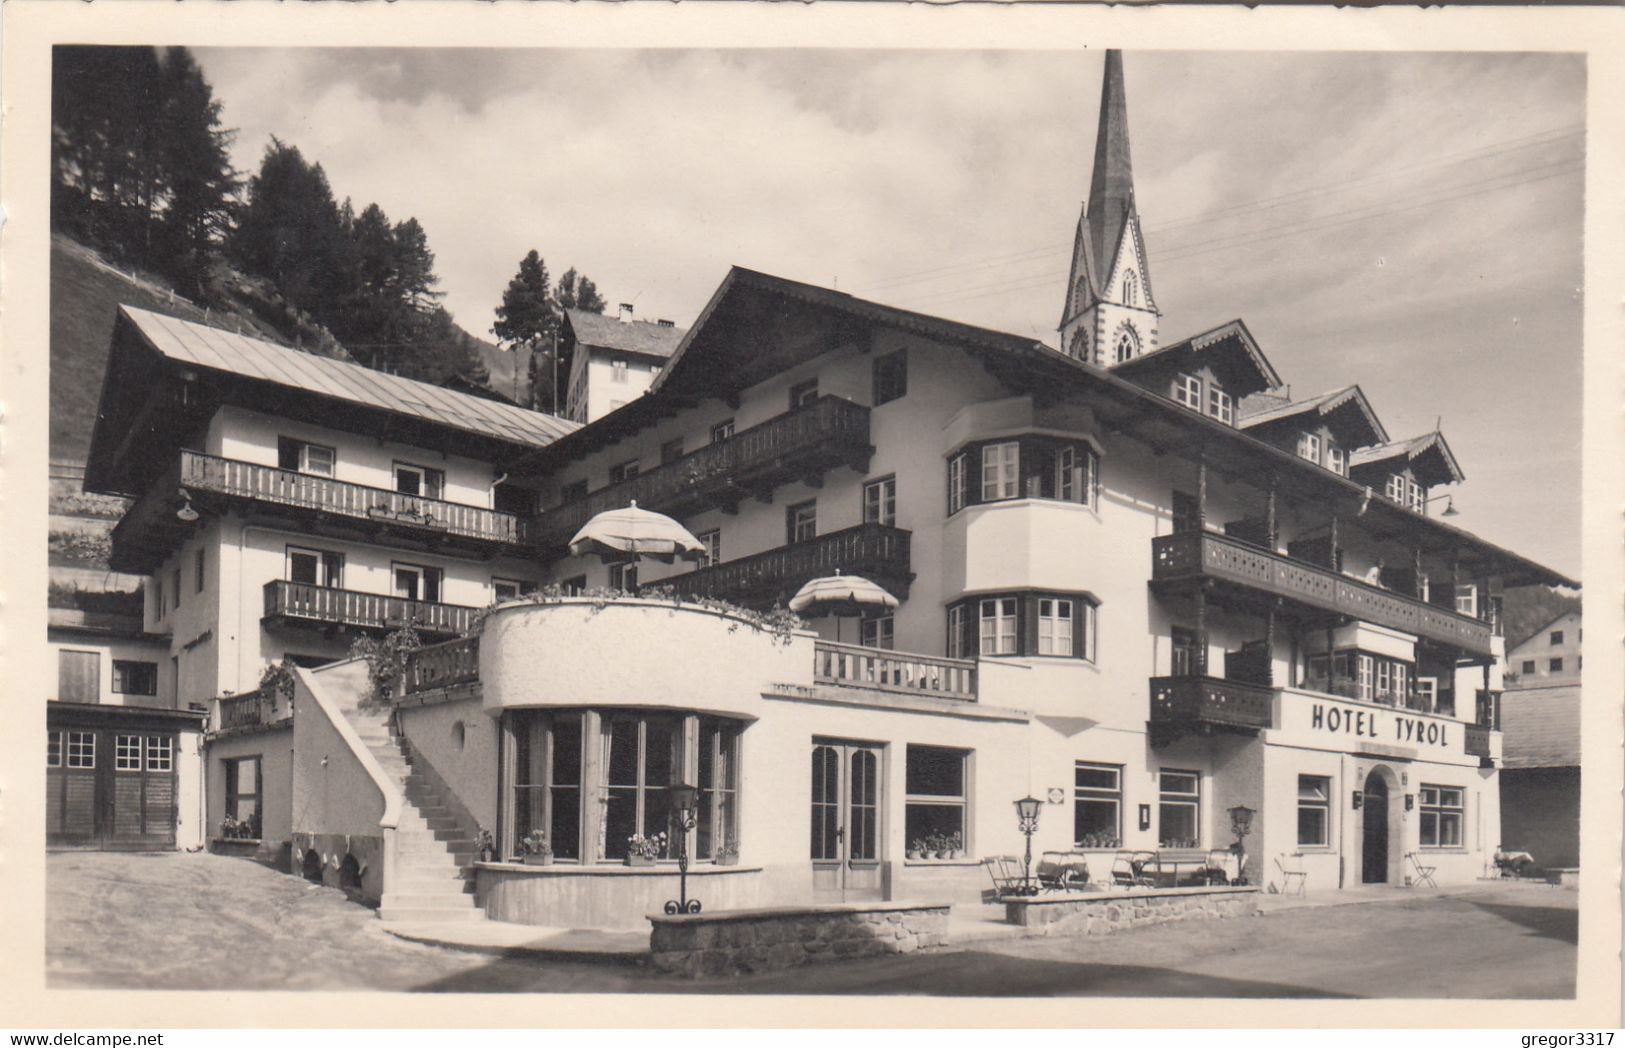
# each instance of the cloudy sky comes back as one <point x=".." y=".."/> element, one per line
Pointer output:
<point x="1411" y="222"/>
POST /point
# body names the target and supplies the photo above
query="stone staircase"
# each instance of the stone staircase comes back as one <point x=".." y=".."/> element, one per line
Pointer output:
<point x="435" y="881"/>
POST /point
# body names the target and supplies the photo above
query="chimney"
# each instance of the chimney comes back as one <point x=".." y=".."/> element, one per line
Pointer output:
<point x="626" y="312"/>
<point x="665" y="323"/>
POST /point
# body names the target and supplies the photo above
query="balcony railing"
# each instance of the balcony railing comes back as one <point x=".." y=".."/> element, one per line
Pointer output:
<point x="1478" y="741"/>
<point x="1212" y="702"/>
<point x="901" y="672"/>
<point x="877" y="552"/>
<point x="1193" y="553"/>
<point x="229" y="477"/>
<point x="830" y="431"/>
<point x="254" y="710"/>
<point x="442" y="665"/>
<point x="302" y="603"/>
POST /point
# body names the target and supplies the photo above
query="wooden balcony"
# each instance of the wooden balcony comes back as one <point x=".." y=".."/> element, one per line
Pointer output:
<point x="1193" y="555"/>
<point x="798" y="445"/>
<point x="442" y="665"/>
<point x="1189" y="705"/>
<point x="257" y="709"/>
<point x="150" y="530"/>
<point x="877" y="552"/>
<point x="322" y="607"/>
<point x="899" y="672"/>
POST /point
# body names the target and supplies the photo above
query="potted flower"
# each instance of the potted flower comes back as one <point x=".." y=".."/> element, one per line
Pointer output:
<point x="727" y="853"/>
<point x="537" y="852"/>
<point x="488" y="846"/>
<point x="956" y="845"/>
<point x="918" y="849"/>
<point x="939" y="845"/>
<point x="643" y="851"/>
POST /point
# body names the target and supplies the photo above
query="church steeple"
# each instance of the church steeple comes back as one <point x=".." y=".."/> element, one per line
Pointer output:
<point x="1109" y="315"/>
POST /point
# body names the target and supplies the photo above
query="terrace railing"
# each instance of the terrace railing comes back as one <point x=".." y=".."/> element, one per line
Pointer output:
<point x="1227" y="559"/>
<point x="254" y="710"/>
<point x="442" y="665"/>
<point x="895" y="671"/>
<point x="1477" y="741"/>
<point x="303" y="602"/>
<point x="829" y="431"/>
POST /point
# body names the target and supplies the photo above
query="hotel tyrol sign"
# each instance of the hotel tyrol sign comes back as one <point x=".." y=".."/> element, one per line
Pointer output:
<point x="1320" y="722"/>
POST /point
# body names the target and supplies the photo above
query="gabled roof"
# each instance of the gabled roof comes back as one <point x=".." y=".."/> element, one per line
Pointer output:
<point x="1232" y="337"/>
<point x="1415" y="451"/>
<point x="1540" y="727"/>
<point x="207" y="347"/>
<point x="757" y="326"/>
<point x="637" y="336"/>
<point x="1542" y="628"/>
<point x="165" y="375"/>
<point x="1323" y="405"/>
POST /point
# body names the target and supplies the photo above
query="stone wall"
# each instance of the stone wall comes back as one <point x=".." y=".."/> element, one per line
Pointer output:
<point x="739" y="941"/>
<point x="1104" y="912"/>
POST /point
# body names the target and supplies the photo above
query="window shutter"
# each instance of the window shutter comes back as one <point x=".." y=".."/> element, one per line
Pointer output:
<point x="1080" y="632"/>
<point x="78" y="676"/>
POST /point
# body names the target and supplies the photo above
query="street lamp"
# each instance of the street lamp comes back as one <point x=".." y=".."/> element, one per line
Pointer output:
<point x="1027" y="810"/>
<point x="683" y="797"/>
<point x="1241" y="824"/>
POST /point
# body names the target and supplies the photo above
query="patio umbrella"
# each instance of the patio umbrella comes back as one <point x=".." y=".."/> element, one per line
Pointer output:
<point x="632" y="533"/>
<point x="839" y="595"/>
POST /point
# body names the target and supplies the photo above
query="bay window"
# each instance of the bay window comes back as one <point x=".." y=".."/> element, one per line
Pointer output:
<point x="1029" y="467"/>
<point x="1057" y="625"/>
<point x="590" y="780"/>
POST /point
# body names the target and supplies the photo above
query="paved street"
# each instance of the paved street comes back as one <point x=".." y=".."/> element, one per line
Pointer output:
<point x="176" y="921"/>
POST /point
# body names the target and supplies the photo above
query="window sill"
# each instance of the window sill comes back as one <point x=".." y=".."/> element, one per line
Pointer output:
<point x="942" y="863"/>
<point x="1427" y="849"/>
<point x="606" y="869"/>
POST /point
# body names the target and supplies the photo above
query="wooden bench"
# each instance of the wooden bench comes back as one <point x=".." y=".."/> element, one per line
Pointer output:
<point x="1197" y="866"/>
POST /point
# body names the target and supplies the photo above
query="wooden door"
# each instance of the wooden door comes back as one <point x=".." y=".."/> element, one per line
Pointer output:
<point x="111" y="788"/>
<point x="846" y="823"/>
<point x="1374" y="851"/>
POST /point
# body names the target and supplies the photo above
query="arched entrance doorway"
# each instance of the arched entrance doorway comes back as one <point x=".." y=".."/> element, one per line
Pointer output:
<point x="1380" y="840"/>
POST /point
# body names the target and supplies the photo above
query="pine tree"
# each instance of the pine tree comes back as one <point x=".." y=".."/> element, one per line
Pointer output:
<point x="199" y="181"/>
<point x="290" y="231"/>
<point x="578" y="292"/>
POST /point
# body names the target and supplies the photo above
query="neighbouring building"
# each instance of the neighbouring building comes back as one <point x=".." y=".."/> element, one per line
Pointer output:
<point x="1550" y="655"/>
<point x="1540" y="780"/>
<point x="613" y="360"/>
<point x="1146" y="586"/>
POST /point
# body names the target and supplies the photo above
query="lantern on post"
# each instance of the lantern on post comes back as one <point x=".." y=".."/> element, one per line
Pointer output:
<point x="683" y="800"/>
<point x="1027" y="810"/>
<point x="1241" y="824"/>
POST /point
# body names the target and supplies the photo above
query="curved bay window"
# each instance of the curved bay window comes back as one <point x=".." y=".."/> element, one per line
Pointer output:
<point x="591" y="780"/>
<point x="1030" y="467"/>
<point x="1060" y="625"/>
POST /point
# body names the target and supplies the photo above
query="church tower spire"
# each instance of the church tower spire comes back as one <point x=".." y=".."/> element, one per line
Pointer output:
<point x="1109" y="315"/>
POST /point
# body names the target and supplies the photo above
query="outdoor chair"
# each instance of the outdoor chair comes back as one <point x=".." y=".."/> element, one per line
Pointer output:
<point x="1061" y="870"/>
<point x="1292" y="872"/>
<point x="1005" y="871"/>
<point x="1424" y="874"/>
<point x="1128" y="869"/>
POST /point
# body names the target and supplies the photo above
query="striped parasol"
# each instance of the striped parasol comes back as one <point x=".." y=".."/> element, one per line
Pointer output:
<point x="620" y="534"/>
<point x="839" y="595"/>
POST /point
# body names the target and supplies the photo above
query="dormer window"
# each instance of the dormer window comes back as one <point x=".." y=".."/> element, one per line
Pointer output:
<point x="1188" y="391"/>
<point x="1309" y="447"/>
<point x="1131" y="290"/>
<point x="1396" y="488"/>
<point x="1419" y="497"/>
<point x="1219" y="405"/>
<point x="1335" y="459"/>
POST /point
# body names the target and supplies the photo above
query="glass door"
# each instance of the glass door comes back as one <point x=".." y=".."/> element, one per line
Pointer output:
<point x="845" y="821"/>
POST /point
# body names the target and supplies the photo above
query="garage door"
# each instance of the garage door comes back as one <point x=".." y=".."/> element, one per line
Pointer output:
<point x="110" y="788"/>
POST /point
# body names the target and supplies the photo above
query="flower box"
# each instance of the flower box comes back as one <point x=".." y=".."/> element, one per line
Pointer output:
<point x="640" y="860"/>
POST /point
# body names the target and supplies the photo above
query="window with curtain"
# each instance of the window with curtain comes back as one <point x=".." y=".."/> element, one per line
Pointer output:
<point x="1443" y="809"/>
<point x="1179" y="809"/>
<point x="935" y="802"/>
<point x="1314" y="811"/>
<point x="1097" y="805"/>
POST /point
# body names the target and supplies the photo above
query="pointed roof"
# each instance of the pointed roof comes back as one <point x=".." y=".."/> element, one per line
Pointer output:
<point x="1231" y="338"/>
<point x="1111" y="187"/>
<point x="1416" y="451"/>
<point x="1324" y="404"/>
